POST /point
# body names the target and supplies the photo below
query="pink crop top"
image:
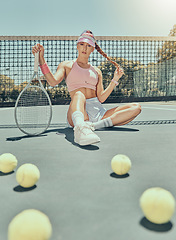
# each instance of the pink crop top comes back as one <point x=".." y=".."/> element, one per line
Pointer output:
<point x="81" y="77"/>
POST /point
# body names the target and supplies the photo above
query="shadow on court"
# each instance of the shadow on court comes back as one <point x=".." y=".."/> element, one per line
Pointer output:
<point x="69" y="135"/>
<point x="114" y="175"/>
<point x="155" y="227"/>
<point x="118" y="129"/>
<point x="11" y="139"/>
<point x="22" y="189"/>
<point x="6" y="174"/>
<point x="67" y="132"/>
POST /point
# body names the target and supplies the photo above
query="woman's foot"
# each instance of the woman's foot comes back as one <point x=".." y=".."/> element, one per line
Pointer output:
<point x="84" y="135"/>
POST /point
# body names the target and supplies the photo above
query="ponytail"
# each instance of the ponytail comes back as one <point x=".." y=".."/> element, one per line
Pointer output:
<point x="97" y="47"/>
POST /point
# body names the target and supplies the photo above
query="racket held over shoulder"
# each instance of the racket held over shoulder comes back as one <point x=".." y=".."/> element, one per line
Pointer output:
<point x="33" y="109"/>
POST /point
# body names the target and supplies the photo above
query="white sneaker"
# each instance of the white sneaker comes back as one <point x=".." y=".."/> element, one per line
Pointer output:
<point x="84" y="135"/>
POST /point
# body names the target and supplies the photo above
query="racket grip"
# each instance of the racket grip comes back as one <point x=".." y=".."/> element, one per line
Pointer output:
<point x="36" y="62"/>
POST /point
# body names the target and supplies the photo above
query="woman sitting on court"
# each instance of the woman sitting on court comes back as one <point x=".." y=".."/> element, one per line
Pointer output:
<point x="85" y="85"/>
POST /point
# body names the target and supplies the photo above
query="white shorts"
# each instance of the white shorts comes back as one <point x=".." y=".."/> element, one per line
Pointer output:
<point x="94" y="109"/>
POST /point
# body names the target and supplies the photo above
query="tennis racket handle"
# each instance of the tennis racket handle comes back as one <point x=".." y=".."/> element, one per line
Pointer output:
<point x="36" y="62"/>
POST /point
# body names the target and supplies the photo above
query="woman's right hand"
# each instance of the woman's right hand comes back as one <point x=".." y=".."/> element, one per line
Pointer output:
<point x="39" y="48"/>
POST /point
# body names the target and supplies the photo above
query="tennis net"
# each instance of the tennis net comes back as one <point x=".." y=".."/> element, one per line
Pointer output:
<point x="149" y="64"/>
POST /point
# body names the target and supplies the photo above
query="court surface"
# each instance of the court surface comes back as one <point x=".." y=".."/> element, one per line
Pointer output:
<point x="78" y="191"/>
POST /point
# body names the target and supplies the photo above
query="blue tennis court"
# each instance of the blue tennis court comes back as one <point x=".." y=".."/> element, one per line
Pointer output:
<point x="78" y="191"/>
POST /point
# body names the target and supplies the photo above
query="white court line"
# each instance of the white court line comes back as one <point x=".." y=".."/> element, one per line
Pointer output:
<point x="168" y="109"/>
<point x="5" y="109"/>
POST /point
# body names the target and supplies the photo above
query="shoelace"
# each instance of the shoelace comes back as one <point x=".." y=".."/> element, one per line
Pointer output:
<point x="84" y="127"/>
<point x="90" y="125"/>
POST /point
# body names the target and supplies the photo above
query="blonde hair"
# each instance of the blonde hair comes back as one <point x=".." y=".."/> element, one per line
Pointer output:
<point x="97" y="47"/>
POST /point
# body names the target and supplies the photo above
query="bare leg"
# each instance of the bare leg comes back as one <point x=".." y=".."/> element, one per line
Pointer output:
<point x="77" y="104"/>
<point x="76" y="116"/>
<point x="124" y="114"/>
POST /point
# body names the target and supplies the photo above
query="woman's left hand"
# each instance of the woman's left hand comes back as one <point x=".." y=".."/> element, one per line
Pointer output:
<point x="118" y="73"/>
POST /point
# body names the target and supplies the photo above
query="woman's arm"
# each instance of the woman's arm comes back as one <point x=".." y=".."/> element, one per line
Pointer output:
<point x="55" y="79"/>
<point x="104" y="94"/>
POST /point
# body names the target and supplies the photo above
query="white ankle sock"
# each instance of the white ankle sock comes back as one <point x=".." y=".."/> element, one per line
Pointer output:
<point x="78" y="118"/>
<point x="103" y="123"/>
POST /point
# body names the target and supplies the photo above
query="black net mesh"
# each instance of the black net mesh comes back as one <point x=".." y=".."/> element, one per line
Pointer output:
<point x="149" y="64"/>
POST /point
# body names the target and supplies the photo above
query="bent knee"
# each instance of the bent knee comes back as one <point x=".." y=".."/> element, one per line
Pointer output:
<point x="137" y="108"/>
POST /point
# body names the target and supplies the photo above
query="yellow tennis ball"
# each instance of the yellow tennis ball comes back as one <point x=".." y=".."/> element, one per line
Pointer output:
<point x="27" y="175"/>
<point x="8" y="162"/>
<point x="120" y="164"/>
<point x="157" y="204"/>
<point x="30" y="224"/>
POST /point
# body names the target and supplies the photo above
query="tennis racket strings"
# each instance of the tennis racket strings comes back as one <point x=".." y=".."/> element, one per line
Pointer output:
<point x="33" y="110"/>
